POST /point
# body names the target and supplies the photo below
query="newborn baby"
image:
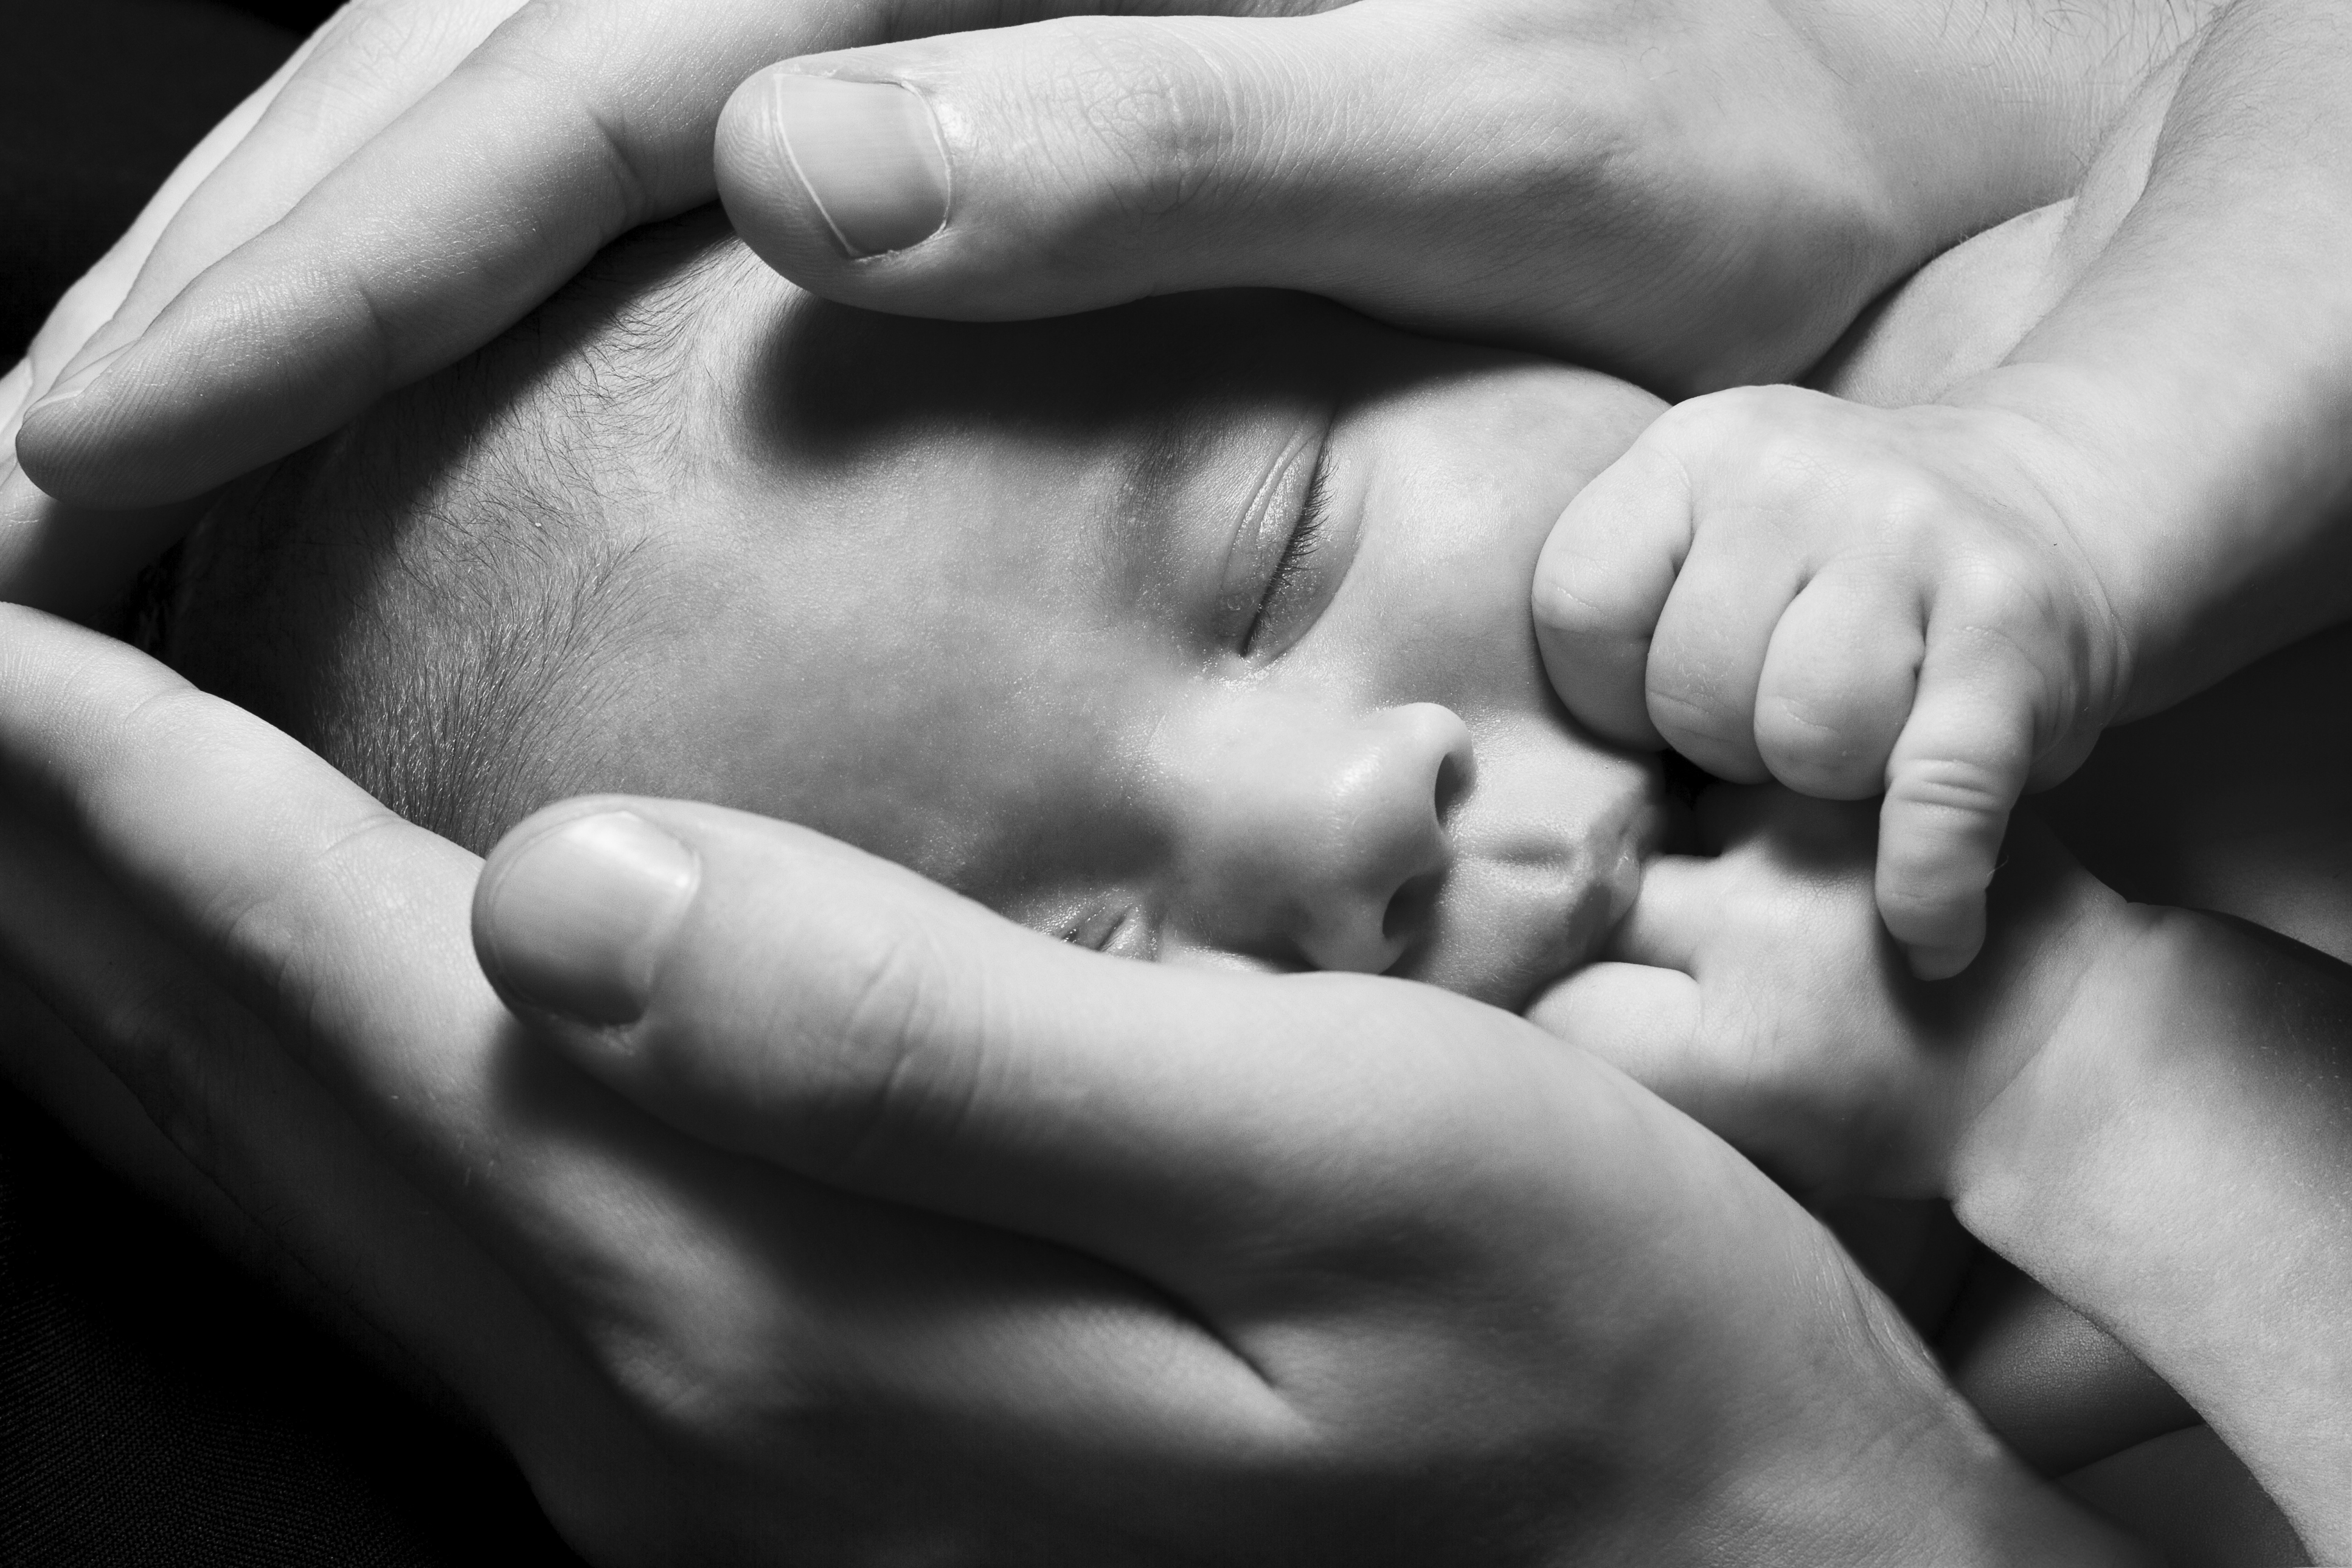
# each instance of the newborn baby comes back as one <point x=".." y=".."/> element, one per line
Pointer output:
<point x="1197" y="630"/>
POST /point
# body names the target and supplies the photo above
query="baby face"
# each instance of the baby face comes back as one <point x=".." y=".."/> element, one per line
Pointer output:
<point x="1196" y="631"/>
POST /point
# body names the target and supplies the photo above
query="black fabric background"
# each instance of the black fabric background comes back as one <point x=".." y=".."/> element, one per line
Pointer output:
<point x="157" y="1406"/>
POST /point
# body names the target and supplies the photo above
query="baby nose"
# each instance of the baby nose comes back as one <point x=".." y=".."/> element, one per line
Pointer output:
<point x="1335" y="841"/>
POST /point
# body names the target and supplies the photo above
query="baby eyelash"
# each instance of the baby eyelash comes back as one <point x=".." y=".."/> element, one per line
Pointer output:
<point x="1305" y="535"/>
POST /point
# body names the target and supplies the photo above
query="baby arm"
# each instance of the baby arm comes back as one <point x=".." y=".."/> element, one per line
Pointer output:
<point x="2149" y="1110"/>
<point x="1948" y="601"/>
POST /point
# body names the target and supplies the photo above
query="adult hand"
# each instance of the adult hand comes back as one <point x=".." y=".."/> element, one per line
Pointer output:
<point x="1084" y="1260"/>
<point x="359" y="72"/>
<point x="416" y="177"/>
<point x="1700" y="193"/>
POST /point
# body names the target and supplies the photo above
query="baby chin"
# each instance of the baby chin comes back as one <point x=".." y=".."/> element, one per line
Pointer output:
<point x="1546" y="862"/>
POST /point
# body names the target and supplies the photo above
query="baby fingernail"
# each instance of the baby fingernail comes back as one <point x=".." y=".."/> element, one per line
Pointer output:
<point x="80" y="381"/>
<point x="869" y="155"/>
<point x="577" y="920"/>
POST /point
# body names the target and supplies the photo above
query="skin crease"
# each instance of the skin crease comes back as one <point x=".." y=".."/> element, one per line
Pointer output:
<point x="1051" y="709"/>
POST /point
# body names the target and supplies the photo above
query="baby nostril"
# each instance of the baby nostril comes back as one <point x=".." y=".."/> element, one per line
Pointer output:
<point x="1410" y="907"/>
<point x="1453" y="781"/>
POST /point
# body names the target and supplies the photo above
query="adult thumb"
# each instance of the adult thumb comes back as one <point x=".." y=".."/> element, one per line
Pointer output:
<point x="776" y="992"/>
<point x="1079" y="163"/>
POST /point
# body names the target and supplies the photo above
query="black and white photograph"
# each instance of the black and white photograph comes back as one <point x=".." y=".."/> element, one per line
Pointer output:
<point x="1176" y="783"/>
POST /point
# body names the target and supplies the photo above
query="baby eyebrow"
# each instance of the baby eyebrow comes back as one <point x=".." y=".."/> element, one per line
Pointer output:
<point x="1155" y="529"/>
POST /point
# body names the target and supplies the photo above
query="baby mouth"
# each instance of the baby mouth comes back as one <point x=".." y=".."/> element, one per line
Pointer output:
<point x="1505" y="929"/>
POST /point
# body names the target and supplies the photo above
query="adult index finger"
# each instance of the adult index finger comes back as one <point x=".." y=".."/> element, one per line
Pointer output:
<point x="340" y="86"/>
<point x="569" y="125"/>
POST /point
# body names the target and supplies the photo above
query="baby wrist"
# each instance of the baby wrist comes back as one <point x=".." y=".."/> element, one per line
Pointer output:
<point x="2179" y="1186"/>
<point x="2024" y="1152"/>
<point x="2073" y="433"/>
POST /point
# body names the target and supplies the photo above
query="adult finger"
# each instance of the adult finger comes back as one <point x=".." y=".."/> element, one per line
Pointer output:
<point x="1642" y="1020"/>
<point x="771" y="991"/>
<point x="569" y="125"/>
<point x="1606" y="571"/>
<point x="243" y="838"/>
<point x="99" y="293"/>
<point x="478" y="199"/>
<point x="1956" y="774"/>
<point x="369" y="62"/>
<point x="1838" y="683"/>
<point x="47" y="557"/>
<point x="216" y="1085"/>
<point x="338" y="88"/>
<point x="311" y="902"/>
<point x="1506" y="170"/>
<point x="1081" y="162"/>
<point x="1653" y="1026"/>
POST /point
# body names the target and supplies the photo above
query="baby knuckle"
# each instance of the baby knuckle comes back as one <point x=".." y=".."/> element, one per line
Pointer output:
<point x="1718" y="738"/>
<point x="1818" y="758"/>
<point x="1709" y="423"/>
<point x="1589" y="596"/>
<point x="1956" y="786"/>
<point x="1914" y="511"/>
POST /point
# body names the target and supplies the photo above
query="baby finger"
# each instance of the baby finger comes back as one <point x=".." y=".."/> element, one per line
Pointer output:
<point x="1837" y="685"/>
<point x="1708" y="659"/>
<point x="1601" y="583"/>
<point x="1956" y="774"/>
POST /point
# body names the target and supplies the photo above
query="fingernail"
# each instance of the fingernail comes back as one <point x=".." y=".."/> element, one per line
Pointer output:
<point x="80" y="381"/>
<point x="869" y="155"/>
<point x="578" y="918"/>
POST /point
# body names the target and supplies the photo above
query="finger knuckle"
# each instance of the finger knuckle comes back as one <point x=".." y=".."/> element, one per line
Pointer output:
<point x="1725" y="748"/>
<point x="542" y="65"/>
<point x="706" y="1384"/>
<point x="1818" y="753"/>
<point x="1159" y="112"/>
<point x="165" y="1040"/>
<point x="909" y="1063"/>
<point x="1956" y="787"/>
<point x="1589" y="596"/>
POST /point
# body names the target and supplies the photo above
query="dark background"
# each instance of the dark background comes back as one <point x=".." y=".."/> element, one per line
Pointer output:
<point x="156" y="1406"/>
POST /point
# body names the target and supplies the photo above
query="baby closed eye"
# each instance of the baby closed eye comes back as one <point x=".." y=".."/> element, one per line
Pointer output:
<point x="1268" y="574"/>
<point x="1121" y="930"/>
<point x="1289" y="590"/>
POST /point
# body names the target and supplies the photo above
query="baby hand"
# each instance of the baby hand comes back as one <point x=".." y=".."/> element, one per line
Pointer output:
<point x="1778" y="584"/>
<point x="1757" y="991"/>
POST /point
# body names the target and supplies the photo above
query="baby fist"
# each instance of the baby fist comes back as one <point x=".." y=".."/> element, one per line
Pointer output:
<point x="1779" y="583"/>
